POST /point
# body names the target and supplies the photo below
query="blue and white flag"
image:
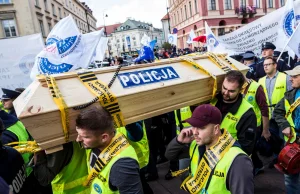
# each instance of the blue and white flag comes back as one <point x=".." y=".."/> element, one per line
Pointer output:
<point x="294" y="42"/>
<point x="172" y="39"/>
<point x="191" y="37"/>
<point x="66" y="49"/>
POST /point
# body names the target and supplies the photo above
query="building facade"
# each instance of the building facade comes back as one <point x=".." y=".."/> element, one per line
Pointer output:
<point x="223" y="16"/>
<point x="126" y="37"/>
<point x="20" y="17"/>
<point x="166" y="26"/>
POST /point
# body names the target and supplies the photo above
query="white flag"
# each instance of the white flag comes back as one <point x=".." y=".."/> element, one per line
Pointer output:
<point x="172" y="39"/>
<point x="100" y="50"/>
<point x="191" y="37"/>
<point x="66" y="49"/>
<point x="145" y="41"/>
<point x="294" y="42"/>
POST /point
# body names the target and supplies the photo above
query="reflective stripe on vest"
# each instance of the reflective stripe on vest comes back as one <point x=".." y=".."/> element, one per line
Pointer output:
<point x="277" y="93"/>
<point x="218" y="180"/>
<point x="141" y="147"/>
<point x="231" y="121"/>
<point x="290" y="120"/>
<point x="185" y="113"/>
<point x="71" y="177"/>
<point x="251" y="98"/>
<point x="20" y="131"/>
<point x="101" y="186"/>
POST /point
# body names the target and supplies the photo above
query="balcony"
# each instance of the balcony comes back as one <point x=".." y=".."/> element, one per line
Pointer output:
<point x="245" y="11"/>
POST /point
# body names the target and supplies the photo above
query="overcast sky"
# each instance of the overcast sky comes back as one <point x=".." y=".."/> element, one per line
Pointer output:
<point x="151" y="11"/>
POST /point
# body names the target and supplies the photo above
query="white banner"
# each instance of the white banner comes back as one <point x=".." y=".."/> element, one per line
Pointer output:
<point x="251" y="36"/>
<point x="17" y="57"/>
<point x="191" y="37"/>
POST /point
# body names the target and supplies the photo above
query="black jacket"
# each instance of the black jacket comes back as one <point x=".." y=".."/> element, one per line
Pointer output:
<point x="246" y="127"/>
<point x="279" y="111"/>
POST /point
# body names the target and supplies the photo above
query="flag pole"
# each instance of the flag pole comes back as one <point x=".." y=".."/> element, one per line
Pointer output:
<point x="287" y="43"/>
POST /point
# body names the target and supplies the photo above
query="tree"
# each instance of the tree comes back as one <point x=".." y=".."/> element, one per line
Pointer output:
<point x="166" y="46"/>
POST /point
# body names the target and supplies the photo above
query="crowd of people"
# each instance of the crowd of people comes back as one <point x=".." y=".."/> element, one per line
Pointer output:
<point x="214" y="147"/>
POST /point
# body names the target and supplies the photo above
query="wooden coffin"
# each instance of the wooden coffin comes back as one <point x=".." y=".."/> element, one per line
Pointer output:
<point x="37" y="110"/>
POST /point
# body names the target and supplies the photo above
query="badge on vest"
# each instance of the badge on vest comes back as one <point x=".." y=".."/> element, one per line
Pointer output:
<point x="250" y="98"/>
<point x="97" y="188"/>
<point x="232" y="118"/>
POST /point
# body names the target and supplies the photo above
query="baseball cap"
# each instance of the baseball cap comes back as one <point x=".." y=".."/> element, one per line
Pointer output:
<point x="204" y="115"/>
<point x="293" y="72"/>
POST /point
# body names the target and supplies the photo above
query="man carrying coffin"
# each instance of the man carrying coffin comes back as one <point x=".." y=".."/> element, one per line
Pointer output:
<point x="218" y="164"/>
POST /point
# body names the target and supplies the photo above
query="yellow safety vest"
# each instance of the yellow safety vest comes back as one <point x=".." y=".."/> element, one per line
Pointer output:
<point x="290" y="120"/>
<point x="218" y="180"/>
<point x="71" y="177"/>
<point x="251" y="98"/>
<point x="185" y="113"/>
<point x="141" y="147"/>
<point x="230" y="121"/>
<point x="278" y="92"/>
<point x="20" y="131"/>
<point x="101" y="186"/>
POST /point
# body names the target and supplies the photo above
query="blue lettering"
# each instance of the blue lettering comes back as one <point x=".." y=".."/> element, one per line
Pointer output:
<point x="134" y="78"/>
<point x="143" y="78"/>
<point x="154" y="74"/>
<point x="124" y="79"/>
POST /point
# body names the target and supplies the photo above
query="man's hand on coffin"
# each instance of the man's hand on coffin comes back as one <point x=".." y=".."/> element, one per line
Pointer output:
<point x="186" y="136"/>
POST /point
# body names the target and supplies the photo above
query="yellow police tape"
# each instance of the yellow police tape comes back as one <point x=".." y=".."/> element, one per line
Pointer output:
<point x="106" y="98"/>
<point x="293" y="107"/>
<point x="25" y="147"/>
<point x="199" y="67"/>
<point x="195" y="184"/>
<point x="61" y="104"/>
<point x="214" y="58"/>
<point x="118" y="144"/>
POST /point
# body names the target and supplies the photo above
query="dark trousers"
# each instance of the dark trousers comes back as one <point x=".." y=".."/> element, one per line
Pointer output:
<point x="146" y="187"/>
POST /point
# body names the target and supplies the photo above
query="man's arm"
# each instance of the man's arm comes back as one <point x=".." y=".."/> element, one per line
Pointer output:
<point x="279" y="115"/>
<point x="176" y="150"/>
<point x="8" y="137"/>
<point x="124" y="175"/>
<point x="135" y="131"/>
<point x="263" y="105"/>
<point x="246" y="131"/>
<point x="240" y="176"/>
<point x="48" y="166"/>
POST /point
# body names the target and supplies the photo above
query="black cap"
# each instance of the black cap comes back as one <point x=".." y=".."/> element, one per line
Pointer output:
<point x="9" y="94"/>
<point x="276" y="54"/>
<point x="249" y="55"/>
<point x="237" y="57"/>
<point x="268" y="45"/>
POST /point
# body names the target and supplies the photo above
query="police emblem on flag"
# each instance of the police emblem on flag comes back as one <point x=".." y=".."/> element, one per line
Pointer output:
<point x="288" y="25"/>
<point x="46" y="67"/>
<point x="212" y="40"/>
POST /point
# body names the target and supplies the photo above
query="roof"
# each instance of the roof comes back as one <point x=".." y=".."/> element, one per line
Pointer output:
<point x="110" y="28"/>
<point x="131" y="24"/>
<point x="166" y="17"/>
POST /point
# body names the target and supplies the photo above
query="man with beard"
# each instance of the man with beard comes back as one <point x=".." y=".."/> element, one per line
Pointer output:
<point x="238" y="116"/>
<point x="231" y="168"/>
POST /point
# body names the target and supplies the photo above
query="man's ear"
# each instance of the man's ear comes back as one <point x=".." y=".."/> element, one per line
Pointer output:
<point x="217" y="129"/>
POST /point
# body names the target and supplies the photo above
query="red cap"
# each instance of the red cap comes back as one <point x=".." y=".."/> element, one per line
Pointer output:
<point x="204" y="115"/>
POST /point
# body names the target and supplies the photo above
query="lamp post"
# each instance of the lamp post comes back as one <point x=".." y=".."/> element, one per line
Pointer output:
<point x="108" y="47"/>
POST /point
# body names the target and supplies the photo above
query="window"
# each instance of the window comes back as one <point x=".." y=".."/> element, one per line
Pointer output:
<point x="282" y="3"/>
<point x="46" y="5"/>
<point x="228" y="4"/>
<point x="70" y="5"/>
<point x="65" y="14"/>
<point x="243" y="3"/>
<point x="175" y="21"/>
<point x="37" y="2"/>
<point x="181" y="14"/>
<point x="185" y="12"/>
<point x="42" y="28"/>
<point x="178" y="16"/>
<point x="49" y="26"/>
<point x="53" y="9"/>
<point x="191" y="12"/>
<point x="67" y="3"/>
<point x="211" y="4"/>
<point x="270" y="3"/>
<point x="196" y="6"/>
<point x="5" y="1"/>
<point x="9" y="27"/>
<point x="257" y="3"/>
<point x="59" y="12"/>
